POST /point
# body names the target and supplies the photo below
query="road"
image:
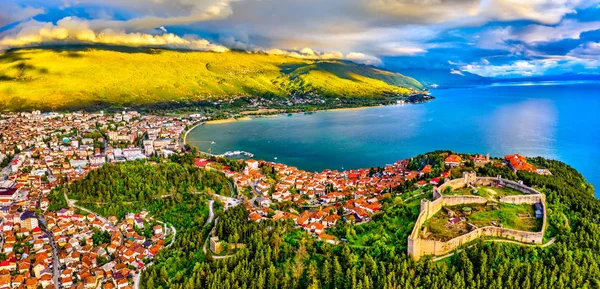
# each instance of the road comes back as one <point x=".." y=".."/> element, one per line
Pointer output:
<point x="211" y="213"/>
<point x="136" y="279"/>
<point x="55" y="262"/>
<point x="72" y="204"/>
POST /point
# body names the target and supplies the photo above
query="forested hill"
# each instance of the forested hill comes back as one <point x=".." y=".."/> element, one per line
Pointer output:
<point x="278" y="255"/>
<point x="80" y="76"/>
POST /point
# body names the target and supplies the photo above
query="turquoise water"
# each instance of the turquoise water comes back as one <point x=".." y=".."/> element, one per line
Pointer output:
<point x="555" y="120"/>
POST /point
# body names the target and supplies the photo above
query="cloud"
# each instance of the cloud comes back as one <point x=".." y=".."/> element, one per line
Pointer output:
<point x="364" y="58"/>
<point x="457" y="72"/>
<point x="517" y="68"/>
<point x="11" y="12"/>
<point x="472" y="11"/>
<point x="74" y="30"/>
<point x="567" y="29"/>
<point x="304" y="53"/>
<point x="157" y="13"/>
<point x="589" y="50"/>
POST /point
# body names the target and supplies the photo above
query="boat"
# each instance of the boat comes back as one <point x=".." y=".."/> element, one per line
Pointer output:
<point x="237" y="153"/>
<point x="275" y="158"/>
<point x="289" y="114"/>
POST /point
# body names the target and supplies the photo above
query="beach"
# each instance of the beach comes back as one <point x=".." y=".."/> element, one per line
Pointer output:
<point x="228" y="120"/>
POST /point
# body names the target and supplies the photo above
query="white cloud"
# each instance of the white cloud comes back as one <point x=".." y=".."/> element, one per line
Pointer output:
<point x="472" y="11"/>
<point x="11" y="12"/>
<point x="74" y="30"/>
<point x="587" y="50"/>
<point x="517" y="68"/>
<point x="363" y="58"/>
<point x="567" y="29"/>
<point x="157" y="13"/>
<point x="304" y="53"/>
<point x="457" y="72"/>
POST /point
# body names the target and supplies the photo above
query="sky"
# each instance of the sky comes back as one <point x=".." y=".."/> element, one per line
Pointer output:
<point x="493" y="38"/>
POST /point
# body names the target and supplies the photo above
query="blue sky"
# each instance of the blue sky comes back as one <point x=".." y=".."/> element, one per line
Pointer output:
<point x="504" y="38"/>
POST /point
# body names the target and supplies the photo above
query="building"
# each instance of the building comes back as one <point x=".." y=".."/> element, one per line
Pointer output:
<point x="453" y="161"/>
<point x="519" y="163"/>
<point x="7" y="195"/>
<point x="29" y="220"/>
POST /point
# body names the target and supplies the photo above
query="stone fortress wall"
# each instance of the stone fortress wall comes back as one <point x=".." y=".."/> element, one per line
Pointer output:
<point x="418" y="247"/>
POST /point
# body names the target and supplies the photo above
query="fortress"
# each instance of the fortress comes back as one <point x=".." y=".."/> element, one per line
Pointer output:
<point x="418" y="246"/>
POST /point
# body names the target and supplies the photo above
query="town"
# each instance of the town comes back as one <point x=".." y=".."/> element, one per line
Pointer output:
<point x="73" y="247"/>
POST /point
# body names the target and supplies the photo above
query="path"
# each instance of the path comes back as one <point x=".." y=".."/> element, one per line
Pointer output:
<point x="496" y="241"/>
<point x="410" y="198"/>
<point x="212" y="233"/>
<point x="211" y="214"/>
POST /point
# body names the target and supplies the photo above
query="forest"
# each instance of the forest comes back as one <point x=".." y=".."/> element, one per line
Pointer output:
<point x="277" y="255"/>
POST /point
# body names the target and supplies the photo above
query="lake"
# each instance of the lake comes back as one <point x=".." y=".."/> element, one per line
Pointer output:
<point x="554" y="120"/>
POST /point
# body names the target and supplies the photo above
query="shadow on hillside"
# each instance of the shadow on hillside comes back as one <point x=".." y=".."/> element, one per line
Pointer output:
<point x="289" y="68"/>
<point x="12" y="56"/>
<point x="73" y="50"/>
<point x="340" y="69"/>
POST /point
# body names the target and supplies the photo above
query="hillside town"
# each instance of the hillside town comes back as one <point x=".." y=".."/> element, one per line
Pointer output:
<point x="72" y="248"/>
<point x="330" y="196"/>
<point x="75" y="248"/>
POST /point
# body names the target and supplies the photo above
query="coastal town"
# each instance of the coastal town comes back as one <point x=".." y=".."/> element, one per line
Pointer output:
<point x="331" y="196"/>
<point x="72" y="247"/>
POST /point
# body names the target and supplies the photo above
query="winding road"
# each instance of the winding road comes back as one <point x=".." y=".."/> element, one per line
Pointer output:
<point x="211" y="213"/>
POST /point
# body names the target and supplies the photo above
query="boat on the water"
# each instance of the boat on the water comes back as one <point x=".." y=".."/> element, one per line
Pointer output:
<point x="238" y="153"/>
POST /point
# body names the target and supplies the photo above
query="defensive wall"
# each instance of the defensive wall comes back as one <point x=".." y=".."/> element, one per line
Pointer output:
<point x="418" y="247"/>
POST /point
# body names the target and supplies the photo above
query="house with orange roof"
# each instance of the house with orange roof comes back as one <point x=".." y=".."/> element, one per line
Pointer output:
<point x="426" y="169"/>
<point x="303" y="219"/>
<point x="327" y="238"/>
<point x="254" y="217"/>
<point x="453" y="161"/>
<point x="316" y="228"/>
<point x="519" y="163"/>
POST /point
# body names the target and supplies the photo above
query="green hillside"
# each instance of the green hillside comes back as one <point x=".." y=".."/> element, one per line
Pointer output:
<point x="61" y="79"/>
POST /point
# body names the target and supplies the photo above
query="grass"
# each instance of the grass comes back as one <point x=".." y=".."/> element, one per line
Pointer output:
<point x="487" y="192"/>
<point x="388" y="229"/>
<point x="508" y="215"/>
<point x="62" y="79"/>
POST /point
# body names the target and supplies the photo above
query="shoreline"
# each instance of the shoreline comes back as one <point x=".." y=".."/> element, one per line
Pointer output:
<point x="189" y="130"/>
<point x="228" y="120"/>
<point x="249" y="117"/>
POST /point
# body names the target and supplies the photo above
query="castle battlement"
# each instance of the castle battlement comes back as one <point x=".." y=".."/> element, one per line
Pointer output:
<point x="418" y="247"/>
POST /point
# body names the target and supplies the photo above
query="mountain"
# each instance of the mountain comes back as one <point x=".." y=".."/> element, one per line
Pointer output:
<point x="444" y="77"/>
<point x="63" y="78"/>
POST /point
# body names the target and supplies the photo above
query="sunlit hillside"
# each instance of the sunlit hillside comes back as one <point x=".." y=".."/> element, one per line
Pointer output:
<point x="59" y="79"/>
